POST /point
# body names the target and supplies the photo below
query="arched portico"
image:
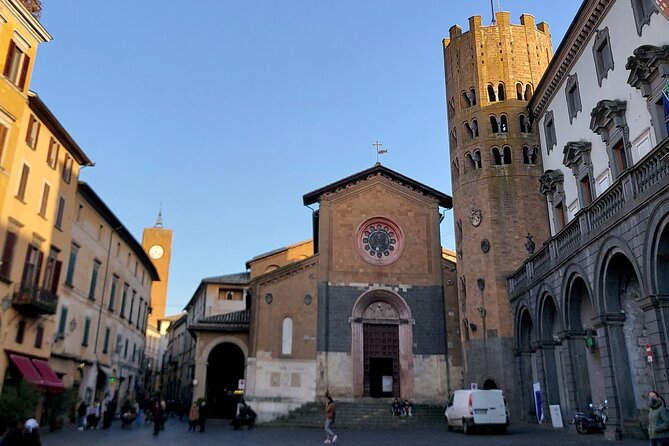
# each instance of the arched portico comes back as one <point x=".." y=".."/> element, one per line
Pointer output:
<point x="381" y="320"/>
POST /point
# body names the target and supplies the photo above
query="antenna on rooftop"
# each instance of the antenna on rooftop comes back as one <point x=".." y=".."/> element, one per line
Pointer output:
<point x="492" y="8"/>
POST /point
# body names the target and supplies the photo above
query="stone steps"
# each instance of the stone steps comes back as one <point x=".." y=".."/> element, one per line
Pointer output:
<point x="363" y="414"/>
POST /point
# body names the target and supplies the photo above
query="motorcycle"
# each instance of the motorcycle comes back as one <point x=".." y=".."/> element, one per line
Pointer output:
<point x="595" y="421"/>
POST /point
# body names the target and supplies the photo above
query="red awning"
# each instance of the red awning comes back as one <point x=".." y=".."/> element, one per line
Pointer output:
<point x="27" y="369"/>
<point x="51" y="381"/>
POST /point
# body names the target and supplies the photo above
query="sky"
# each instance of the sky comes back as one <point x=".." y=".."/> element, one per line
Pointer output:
<point x="225" y="113"/>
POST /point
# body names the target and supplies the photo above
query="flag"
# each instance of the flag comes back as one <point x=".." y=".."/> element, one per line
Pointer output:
<point x="381" y="151"/>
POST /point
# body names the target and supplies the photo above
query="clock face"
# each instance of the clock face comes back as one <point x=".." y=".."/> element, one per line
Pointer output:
<point x="156" y="252"/>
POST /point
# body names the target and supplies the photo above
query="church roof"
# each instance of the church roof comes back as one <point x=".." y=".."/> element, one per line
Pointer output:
<point x="230" y="279"/>
<point x="227" y="322"/>
<point x="312" y="197"/>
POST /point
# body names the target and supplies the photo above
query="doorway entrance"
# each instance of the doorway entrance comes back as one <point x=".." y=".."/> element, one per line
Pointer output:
<point x="381" y="360"/>
<point x="225" y="369"/>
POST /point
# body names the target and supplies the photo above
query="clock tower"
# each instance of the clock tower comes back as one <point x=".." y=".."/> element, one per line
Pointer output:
<point x="157" y="242"/>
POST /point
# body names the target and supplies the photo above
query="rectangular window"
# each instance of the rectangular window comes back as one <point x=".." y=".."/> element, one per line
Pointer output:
<point x="67" y="169"/>
<point x="124" y="298"/>
<point x="52" y="271"/>
<point x="60" y="212"/>
<point x="39" y="336"/>
<point x="559" y="217"/>
<point x="94" y="279"/>
<point x="45" y="200"/>
<point x="586" y="191"/>
<point x="52" y="155"/>
<point x="549" y="131"/>
<point x="62" y="322"/>
<point x="139" y="312"/>
<point x="132" y="306"/>
<point x="4" y="132"/>
<point x="119" y="344"/>
<point x="573" y="97"/>
<point x="619" y="156"/>
<point x="8" y="256"/>
<point x="106" y="344"/>
<point x="23" y="183"/>
<point x="125" y="350"/>
<point x="32" y="268"/>
<point x="134" y="352"/>
<point x="601" y="51"/>
<point x="16" y="65"/>
<point x="87" y="329"/>
<point x="20" y="332"/>
<point x="32" y="134"/>
<point x="112" y="293"/>
<point x="69" y="279"/>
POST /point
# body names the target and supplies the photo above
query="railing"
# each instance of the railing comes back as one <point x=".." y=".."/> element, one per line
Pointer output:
<point x="35" y="301"/>
<point x="648" y="173"/>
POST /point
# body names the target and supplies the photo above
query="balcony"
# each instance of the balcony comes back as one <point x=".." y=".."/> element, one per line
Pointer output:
<point x="635" y="185"/>
<point x="35" y="301"/>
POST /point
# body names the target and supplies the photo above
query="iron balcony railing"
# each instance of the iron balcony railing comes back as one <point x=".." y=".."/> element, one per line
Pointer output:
<point x="35" y="301"/>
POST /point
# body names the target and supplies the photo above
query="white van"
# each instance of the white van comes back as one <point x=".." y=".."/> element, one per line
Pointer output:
<point x="472" y="409"/>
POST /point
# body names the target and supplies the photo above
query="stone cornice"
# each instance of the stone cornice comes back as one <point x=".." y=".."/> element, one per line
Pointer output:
<point x="607" y="115"/>
<point x="584" y="25"/>
<point x="549" y="181"/>
<point x="648" y="62"/>
<point x="574" y="151"/>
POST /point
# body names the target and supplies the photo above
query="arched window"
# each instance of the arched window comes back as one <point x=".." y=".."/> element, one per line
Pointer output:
<point x="464" y="100"/>
<point x="477" y="159"/>
<point x="470" y="164"/>
<point x="496" y="157"/>
<point x="456" y="167"/>
<point x="468" y="130"/>
<point x="475" y="127"/>
<point x="451" y="107"/>
<point x="528" y="92"/>
<point x="454" y="138"/>
<point x="503" y="124"/>
<point x="506" y="155"/>
<point x="494" y="125"/>
<point x="287" y="337"/>
<point x="491" y="94"/>
<point x="472" y="96"/>
<point x="525" y="126"/>
<point x="530" y="155"/>
<point x="501" y="94"/>
<point x="519" y="91"/>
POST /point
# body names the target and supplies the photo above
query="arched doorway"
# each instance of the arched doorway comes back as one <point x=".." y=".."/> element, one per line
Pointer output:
<point x="661" y="258"/>
<point x="584" y="349"/>
<point x="552" y="351"/>
<point x="621" y="290"/>
<point x="382" y="346"/>
<point x="489" y="384"/>
<point x="527" y="373"/>
<point x="224" y="370"/>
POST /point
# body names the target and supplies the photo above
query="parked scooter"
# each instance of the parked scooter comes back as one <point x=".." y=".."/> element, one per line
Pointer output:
<point x="595" y="421"/>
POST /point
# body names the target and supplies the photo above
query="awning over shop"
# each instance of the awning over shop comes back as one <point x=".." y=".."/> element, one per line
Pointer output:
<point x="51" y="381"/>
<point x="27" y="369"/>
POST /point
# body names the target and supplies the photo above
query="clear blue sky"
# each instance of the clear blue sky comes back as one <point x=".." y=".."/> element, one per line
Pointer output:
<point x="227" y="112"/>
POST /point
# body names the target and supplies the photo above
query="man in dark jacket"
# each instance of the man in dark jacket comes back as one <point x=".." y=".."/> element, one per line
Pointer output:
<point x="658" y="421"/>
<point x="157" y="417"/>
<point x="203" y="415"/>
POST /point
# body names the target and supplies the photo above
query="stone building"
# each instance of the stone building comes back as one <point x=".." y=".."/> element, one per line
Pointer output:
<point x="591" y="303"/>
<point x="491" y="74"/>
<point x="367" y="308"/>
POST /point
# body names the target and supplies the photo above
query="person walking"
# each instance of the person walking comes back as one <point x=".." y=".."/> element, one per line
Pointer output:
<point x="31" y="433"/>
<point x="157" y="417"/>
<point x="202" y="418"/>
<point x="330" y="414"/>
<point x="81" y="415"/>
<point x="658" y="421"/>
<point x="193" y="416"/>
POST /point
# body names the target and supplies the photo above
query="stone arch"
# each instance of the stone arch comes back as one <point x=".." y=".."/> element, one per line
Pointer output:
<point x="226" y="365"/>
<point x="501" y="91"/>
<point x="404" y="321"/>
<point x="552" y="351"/>
<point x="575" y="280"/>
<point x="526" y="359"/>
<point x="656" y="250"/>
<point x="610" y="248"/>
<point x="525" y="334"/>
<point x="222" y="340"/>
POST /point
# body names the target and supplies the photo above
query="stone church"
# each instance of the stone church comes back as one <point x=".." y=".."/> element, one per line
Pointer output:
<point x="366" y="308"/>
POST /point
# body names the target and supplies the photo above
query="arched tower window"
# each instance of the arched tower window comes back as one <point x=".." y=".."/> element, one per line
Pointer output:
<point x="468" y="130"/>
<point x="494" y="125"/>
<point x="506" y="155"/>
<point x="464" y="99"/>
<point x="524" y="121"/>
<point x="501" y="94"/>
<point x="503" y="124"/>
<point x="528" y="92"/>
<point x="519" y="91"/>
<point x="530" y="155"/>
<point x="477" y="159"/>
<point x="475" y="128"/>
<point x="491" y="94"/>
<point x="472" y="96"/>
<point x="496" y="157"/>
<point x="287" y="337"/>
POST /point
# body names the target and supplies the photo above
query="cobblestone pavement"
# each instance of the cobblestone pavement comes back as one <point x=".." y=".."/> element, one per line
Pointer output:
<point x="219" y="433"/>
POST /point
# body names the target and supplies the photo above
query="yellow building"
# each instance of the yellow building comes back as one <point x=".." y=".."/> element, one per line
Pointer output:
<point x="20" y="34"/>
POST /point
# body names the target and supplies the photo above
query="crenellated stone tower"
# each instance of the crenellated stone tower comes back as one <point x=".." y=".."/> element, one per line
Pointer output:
<point x="491" y="72"/>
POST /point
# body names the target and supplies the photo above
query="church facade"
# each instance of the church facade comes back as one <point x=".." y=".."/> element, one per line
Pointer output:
<point x="367" y="308"/>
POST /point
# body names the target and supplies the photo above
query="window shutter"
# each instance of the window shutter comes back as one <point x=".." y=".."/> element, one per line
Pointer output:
<point x="31" y="123"/>
<point x="8" y="255"/>
<point x="56" y="276"/>
<point x="26" y="268"/>
<point x="10" y="56"/>
<point x="24" y="71"/>
<point x="38" y="268"/>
